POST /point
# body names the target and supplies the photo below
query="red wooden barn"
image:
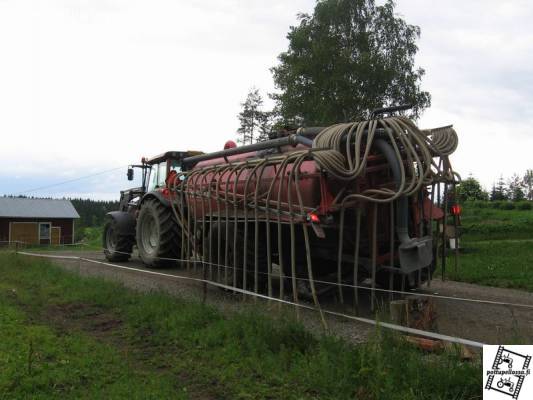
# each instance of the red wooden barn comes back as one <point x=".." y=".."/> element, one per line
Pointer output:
<point x="37" y="221"/>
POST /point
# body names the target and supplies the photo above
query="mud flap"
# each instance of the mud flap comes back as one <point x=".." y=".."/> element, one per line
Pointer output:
<point x="416" y="254"/>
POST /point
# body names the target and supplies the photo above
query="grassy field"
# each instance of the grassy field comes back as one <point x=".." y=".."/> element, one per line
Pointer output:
<point x="497" y="248"/>
<point x="481" y="224"/>
<point x="63" y="336"/>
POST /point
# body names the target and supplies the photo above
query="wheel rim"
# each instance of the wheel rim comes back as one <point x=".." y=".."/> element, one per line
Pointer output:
<point x="111" y="239"/>
<point x="150" y="234"/>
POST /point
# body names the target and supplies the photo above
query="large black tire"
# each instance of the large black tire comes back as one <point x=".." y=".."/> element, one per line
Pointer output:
<point x="231" y="274"/>
<point x="117" y="247"/>
<point x="158" y="235"/>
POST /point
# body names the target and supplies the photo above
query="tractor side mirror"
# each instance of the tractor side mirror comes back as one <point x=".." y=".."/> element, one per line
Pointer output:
<point x="130" y="174"/>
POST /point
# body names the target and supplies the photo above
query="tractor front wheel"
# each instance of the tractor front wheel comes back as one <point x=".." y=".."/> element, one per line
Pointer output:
<point x="117" y="247"/>
<point x="158" y="235"/>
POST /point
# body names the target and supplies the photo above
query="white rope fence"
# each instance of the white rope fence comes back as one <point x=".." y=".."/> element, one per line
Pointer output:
<point x="399" y="328"/>
<point x="347" y="285"/>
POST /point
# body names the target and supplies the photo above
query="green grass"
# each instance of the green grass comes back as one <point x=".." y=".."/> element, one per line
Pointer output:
<point x="92" y="237"/>
<point x="495" y="263"/>
<point x="46" y="247"/>
<point x="495" y="224"/>
<point x="497" y="248"/>
<point x="64" y="336"/>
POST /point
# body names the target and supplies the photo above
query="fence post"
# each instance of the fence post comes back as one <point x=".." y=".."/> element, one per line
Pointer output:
<point x="204" y="294"/>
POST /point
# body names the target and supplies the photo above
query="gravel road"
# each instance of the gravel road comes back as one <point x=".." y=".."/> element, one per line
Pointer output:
<point x="487" y="323"/>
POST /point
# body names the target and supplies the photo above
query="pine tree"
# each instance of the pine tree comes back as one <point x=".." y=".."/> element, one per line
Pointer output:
<point x="499" y="191"/>
<point x="516" y="188"/>
<point x="251" y="118"/>
<point x="265" y="126"/>
<point x="527" y="181"/>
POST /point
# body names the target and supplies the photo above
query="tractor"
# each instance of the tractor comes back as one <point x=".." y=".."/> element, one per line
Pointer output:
<point x="144" y="217"/>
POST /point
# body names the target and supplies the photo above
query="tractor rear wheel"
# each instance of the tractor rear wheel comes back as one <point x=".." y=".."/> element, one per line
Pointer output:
<point x="117" y="247"/>
<point x="158" y="235"/>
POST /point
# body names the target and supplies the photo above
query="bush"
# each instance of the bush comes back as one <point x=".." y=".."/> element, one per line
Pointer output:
<point x="507" y="205"/>
<point x="524" y="205"/>
<point x="478" y="204"/>
<point x="496" y="204"/>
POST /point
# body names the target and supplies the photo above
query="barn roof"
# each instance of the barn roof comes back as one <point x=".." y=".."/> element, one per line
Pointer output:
<point x="16" y="207"/>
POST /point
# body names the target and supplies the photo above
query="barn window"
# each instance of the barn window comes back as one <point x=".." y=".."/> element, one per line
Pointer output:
<point x="44" y="230"/>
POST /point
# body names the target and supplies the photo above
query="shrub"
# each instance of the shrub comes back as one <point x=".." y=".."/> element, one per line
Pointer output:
<point x="496" y="204"/>
<point x="524" y="205"/>
<point x="479" y="204"/>
<point x="507" y="205"/>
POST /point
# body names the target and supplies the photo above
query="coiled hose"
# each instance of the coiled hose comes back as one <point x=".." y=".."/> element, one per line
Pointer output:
<point x="346" y="148"/>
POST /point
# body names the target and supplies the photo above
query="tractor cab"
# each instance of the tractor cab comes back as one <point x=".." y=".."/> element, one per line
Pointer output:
<point x="161" y="168"/>
<point x="155" y="172"/>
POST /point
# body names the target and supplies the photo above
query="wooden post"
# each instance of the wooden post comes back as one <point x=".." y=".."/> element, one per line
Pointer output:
<point x="374" y="249"/>
<point x="398" y="312"/>
<point x="204" y="296"/>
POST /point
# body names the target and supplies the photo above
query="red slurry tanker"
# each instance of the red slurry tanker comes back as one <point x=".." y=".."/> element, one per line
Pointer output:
<point x="313" y="207"/>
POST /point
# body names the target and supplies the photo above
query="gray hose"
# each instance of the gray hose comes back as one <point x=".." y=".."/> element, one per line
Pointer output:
<point x="402" y="213"/>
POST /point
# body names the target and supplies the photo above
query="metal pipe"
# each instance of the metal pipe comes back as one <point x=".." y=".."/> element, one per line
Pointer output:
<point x="310" y="131"/>
<point x="267" y="144"/>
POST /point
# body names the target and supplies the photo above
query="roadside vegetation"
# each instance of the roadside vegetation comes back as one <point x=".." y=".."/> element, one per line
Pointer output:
<point x="496" y="233"/>
<point x="92" y="215"/>
<point x="497" y="245"/>
<point x="64" y="336"/>
<point x="92" y="237"/>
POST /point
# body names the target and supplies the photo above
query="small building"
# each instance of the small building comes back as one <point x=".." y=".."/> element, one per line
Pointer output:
<point x="37" y="221"/>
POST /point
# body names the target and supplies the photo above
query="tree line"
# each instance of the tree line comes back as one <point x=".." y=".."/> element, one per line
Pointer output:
<point x="92" y="212"/>
<point x="92" y="215"/>
<point x="516" y="188"/>
<point x="346" y="59"/>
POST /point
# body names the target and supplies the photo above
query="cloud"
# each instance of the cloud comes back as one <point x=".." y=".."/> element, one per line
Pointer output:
<point x="92" y="85"/>
<point x="478" y="59"/>
<point x="98" y="84"/>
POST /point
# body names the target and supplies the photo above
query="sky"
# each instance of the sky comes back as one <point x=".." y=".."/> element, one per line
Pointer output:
<point x="93" y="85"/>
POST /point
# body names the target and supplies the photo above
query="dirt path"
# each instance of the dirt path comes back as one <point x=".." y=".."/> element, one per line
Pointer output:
<point x="493" y="324"/>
